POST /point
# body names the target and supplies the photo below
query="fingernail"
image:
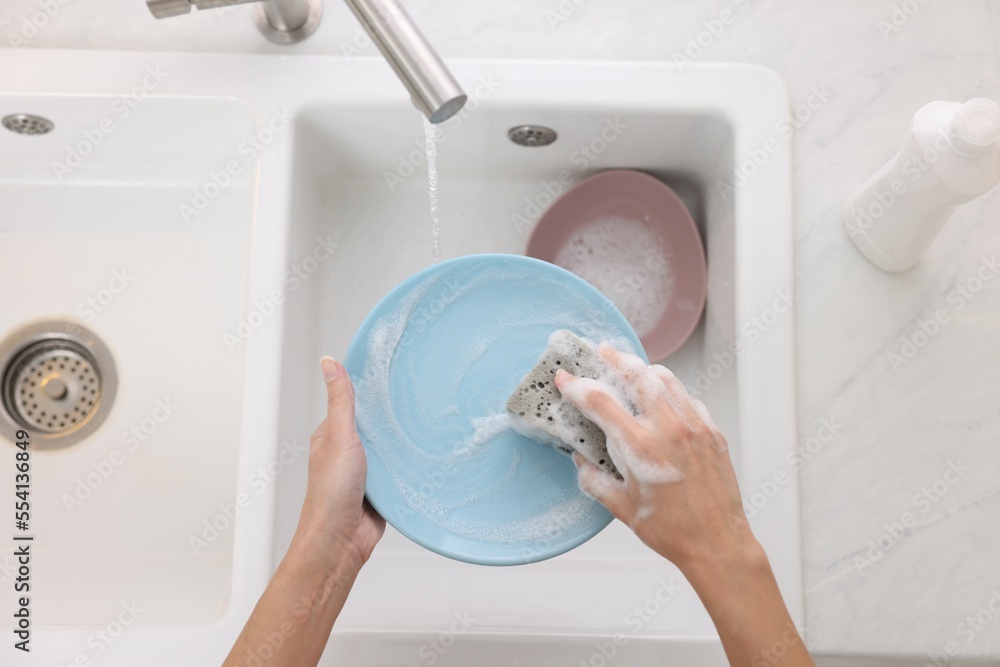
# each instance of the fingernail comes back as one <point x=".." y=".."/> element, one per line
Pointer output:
<point x="331" y="369"/>
<point x="561" y="375"/>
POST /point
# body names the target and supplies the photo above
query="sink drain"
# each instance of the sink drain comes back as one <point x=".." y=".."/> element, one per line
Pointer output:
<point x="531" y="135"/>
<point x="26" y="123"/>
<point x="58" y="382"/>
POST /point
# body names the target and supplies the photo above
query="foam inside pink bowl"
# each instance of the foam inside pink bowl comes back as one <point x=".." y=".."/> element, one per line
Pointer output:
<point x="640" y="236"/>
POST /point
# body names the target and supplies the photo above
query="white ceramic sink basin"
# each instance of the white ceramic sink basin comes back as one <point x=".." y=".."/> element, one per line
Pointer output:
<point x="100" y="240"/>
<point x="340" y="215"/>
<point x="360" y="182"/>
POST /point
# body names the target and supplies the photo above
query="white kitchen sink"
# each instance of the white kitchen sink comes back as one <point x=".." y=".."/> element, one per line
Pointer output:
<point x="340" y="215"/>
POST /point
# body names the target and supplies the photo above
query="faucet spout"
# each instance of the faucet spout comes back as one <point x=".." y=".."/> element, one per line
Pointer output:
<point x="431" y="85"/>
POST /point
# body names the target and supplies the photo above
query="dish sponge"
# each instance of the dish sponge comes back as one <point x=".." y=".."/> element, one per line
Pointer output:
<point x="538" y="411"/>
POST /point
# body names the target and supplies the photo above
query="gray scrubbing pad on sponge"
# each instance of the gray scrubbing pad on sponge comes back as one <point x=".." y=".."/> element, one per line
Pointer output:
<point x="538" y="411"/>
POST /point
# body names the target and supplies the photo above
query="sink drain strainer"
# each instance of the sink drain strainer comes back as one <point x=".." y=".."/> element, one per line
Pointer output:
<point x="26" y="123"/>
<point x="532" y="135"/>
<point x="58" y="382"/>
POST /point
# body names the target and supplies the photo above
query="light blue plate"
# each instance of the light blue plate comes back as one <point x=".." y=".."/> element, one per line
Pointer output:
<point x="433" y="365"/>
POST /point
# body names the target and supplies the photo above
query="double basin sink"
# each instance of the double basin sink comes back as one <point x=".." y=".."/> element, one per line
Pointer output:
<point x="222" y="221"/>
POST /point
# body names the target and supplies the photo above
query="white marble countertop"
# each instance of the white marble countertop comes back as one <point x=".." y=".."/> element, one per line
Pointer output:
<point x="898" y="421"/>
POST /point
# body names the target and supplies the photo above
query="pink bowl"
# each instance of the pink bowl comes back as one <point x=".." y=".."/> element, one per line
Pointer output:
<point x="635" y="196"/>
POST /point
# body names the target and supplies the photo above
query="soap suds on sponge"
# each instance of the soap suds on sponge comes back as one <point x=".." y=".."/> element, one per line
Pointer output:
<point x="538" y="411"/>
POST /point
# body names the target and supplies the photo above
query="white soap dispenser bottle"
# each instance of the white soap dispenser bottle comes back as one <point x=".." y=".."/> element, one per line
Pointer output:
<point x="949" y="156"/>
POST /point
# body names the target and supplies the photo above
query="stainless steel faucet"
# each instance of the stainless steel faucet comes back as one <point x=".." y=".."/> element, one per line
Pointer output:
<point x="432" y="87"/>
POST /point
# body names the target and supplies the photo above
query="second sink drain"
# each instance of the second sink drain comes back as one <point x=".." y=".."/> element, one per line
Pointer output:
<point x="58" y="382"/>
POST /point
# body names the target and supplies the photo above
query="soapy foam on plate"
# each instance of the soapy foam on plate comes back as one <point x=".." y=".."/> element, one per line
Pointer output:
<point x="487" y="429"/>
<point x="472" y="459"/>
<point x="627" y="262"/>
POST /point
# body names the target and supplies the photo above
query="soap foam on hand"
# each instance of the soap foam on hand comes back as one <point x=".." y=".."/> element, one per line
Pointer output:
<point x="628" y="263"/>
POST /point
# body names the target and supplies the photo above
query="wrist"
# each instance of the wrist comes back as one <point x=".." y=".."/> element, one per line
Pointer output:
<point x="321" y="550"/>
<point x="740" y="560"/>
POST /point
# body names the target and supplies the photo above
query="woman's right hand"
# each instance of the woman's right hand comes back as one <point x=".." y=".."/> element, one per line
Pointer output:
<point x="680" y="496"/>
<point x="679" y="492"/>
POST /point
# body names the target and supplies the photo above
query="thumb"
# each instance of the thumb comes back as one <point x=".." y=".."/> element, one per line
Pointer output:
<point x="339" y="420"/>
